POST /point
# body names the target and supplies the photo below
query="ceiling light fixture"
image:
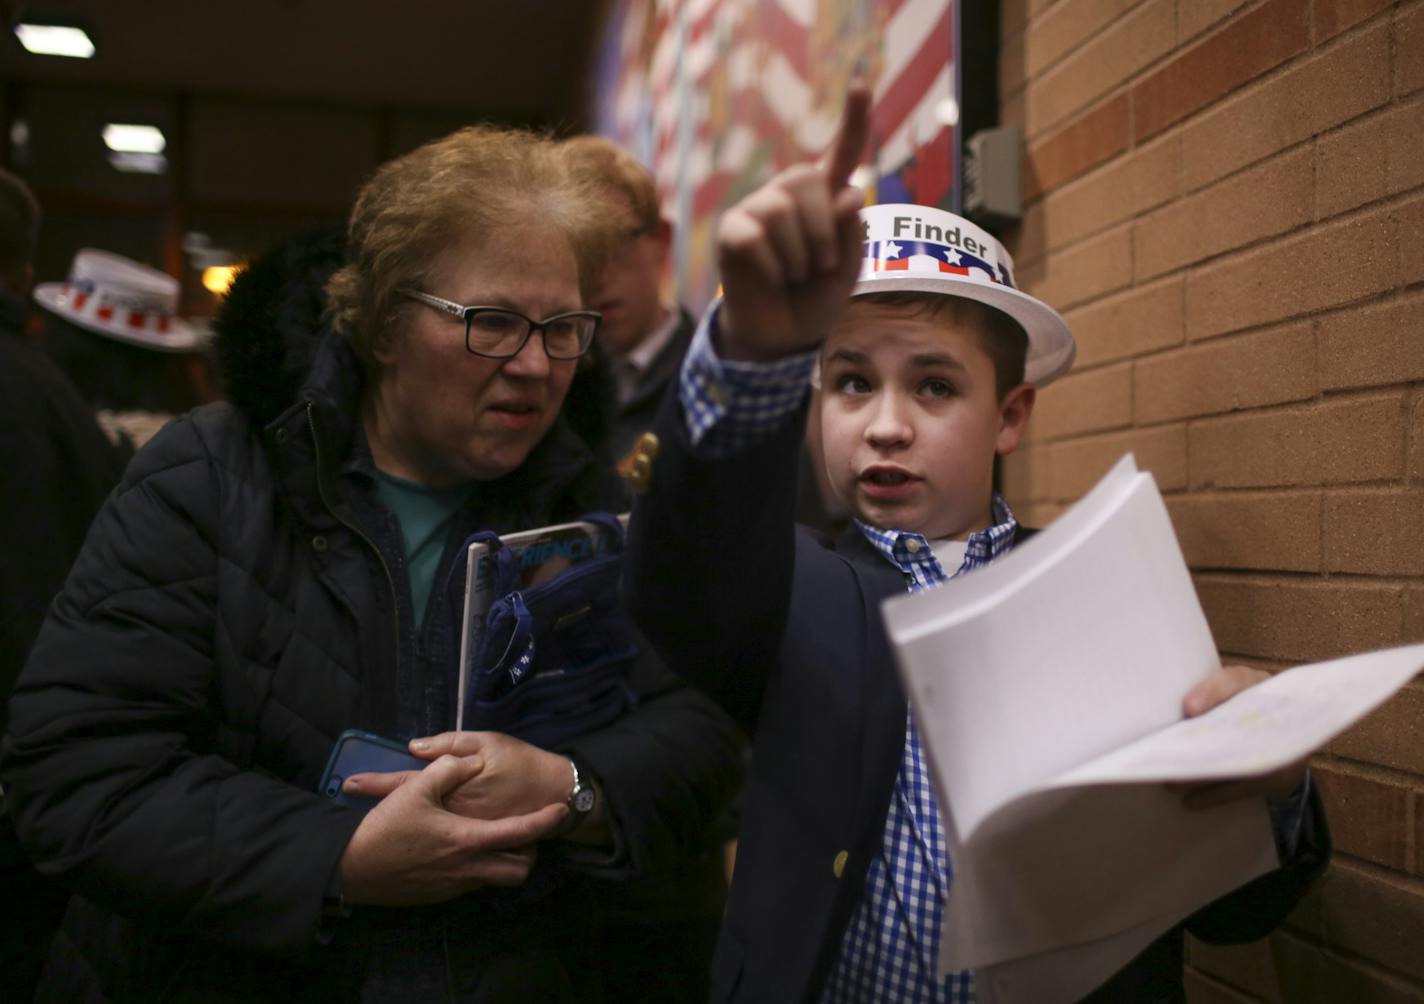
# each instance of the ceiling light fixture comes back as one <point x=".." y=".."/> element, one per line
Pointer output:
<point x="124" y="138"/>
<point x="55" y="40"/>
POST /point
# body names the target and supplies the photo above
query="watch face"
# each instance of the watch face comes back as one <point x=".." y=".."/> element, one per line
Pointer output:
<point x="583" y="801"/>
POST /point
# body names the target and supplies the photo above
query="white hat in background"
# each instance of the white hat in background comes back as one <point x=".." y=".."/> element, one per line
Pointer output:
<point x="925" y="250"/>
<point x="117" y="297"/>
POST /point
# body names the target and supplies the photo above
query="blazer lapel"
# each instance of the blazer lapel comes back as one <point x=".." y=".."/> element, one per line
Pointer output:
<point x="883" y="702"/>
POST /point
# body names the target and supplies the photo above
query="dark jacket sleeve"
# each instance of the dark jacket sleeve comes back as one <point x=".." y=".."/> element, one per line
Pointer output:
<point x="667" y="770"/>
<point x="1259" y="906"/>
<point x="112" y="766"/>
<point x="711" y="554"/>
<point x="56" y="467"/>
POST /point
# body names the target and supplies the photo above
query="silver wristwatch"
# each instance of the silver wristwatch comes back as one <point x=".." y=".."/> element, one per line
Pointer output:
<point x="581" y="799"/>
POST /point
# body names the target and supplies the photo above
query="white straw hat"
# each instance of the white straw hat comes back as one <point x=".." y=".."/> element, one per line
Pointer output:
<point x="925" y="250"/>
<point x="117" y="297"/>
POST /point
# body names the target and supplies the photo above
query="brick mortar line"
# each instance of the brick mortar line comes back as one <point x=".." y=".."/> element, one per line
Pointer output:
<point x="1142" y="73"/>
<point x="1253" y="84"/>
<point x="1284" y="576"/>
<point x="1220" y="573"/>
<point x="1371" y="771"/>
<point x="1314" y="50"/>
<point x="1060" y="249"/>
<point x="1257" y="83"/>
<point x="1371" y="966"/>
<point x="1301" y="405"/>
<point x="1414" y="884"/>
<point x="1383" y="14"/>
<point x="1395" y="102"/>
<point x="1414" y="400"/>
<point x="1391" y="202"/>
<point x="1322" y="397"/>
<point x="1068" y="54"/>
<point x="1064" y="501"/>
<point x="1348" y="858"/>
<point x="1222" y="493"/>
<point x="1224" y="986"/>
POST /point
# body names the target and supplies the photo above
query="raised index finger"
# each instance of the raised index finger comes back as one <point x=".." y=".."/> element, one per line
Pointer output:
<point x="849" y="144"/>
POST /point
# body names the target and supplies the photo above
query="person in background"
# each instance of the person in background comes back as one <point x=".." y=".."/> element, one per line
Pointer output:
<point x="112" y="326"/>
<point x="644" y="336"/>
<point x="56" y="467"/>
<point x="669" y="922"/>
<point x="267" y="576"/>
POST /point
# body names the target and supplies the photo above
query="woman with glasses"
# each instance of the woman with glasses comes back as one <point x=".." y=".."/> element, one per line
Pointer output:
<point x="269" y="574"/>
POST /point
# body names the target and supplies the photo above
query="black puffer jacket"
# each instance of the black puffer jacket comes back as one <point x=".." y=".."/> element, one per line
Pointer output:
<point x="234" y="610"/>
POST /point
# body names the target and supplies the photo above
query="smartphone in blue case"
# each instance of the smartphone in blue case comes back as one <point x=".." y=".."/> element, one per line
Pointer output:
<point x="358" y="752"/>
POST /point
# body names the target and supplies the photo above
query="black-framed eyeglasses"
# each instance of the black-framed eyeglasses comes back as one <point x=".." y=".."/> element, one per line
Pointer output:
<point x="500" y="333"/>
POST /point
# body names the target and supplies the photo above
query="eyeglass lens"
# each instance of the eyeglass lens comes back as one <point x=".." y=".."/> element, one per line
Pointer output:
<point x="496" y="332"/>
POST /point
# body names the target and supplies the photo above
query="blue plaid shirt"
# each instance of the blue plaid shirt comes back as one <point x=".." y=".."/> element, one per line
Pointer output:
<point x="730" y="405"/>
<point x="889" y="949"/>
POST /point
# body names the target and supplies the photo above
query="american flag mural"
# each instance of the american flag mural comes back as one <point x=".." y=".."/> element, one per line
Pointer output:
<point x="717" y="95"/>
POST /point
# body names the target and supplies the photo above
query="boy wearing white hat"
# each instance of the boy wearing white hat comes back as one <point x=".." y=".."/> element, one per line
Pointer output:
<point x="928" y="360"/>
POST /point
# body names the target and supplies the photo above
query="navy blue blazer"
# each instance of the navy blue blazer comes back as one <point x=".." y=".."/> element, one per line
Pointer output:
<point x="784" y="630"/>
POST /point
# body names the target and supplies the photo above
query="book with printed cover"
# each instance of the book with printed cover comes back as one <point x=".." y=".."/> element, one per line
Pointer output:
<point x="539" y="554"/>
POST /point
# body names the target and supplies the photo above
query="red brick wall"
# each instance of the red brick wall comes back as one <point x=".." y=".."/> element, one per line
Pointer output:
<point x="1226" y="200"/>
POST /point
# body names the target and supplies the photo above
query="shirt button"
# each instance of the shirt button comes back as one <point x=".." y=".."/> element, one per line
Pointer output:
<point x="318" y="543"/>
<point x="912" y="545"/>
<point x="838" y="865"/>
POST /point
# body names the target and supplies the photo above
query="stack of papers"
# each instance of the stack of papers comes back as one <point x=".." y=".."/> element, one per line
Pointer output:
<point x="1048" y="691"/>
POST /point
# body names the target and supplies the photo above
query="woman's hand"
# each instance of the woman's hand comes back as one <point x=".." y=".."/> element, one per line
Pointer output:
<point x="1216" y="689"/>
<point x="411" y="850"/>
<point x="789" y="253"/>
<point x="506" y="776"/>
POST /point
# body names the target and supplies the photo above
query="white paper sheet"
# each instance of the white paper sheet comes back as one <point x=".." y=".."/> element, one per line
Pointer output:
<point x="1048" y="691"/>
<point x="1264" y="728"/>
<point x="1086" y="638"/>
<point x="1080" y="865"/>
<point x="1067" y="975"/>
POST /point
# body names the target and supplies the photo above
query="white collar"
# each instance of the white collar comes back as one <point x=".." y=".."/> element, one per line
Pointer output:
<point x="642" y="356"/>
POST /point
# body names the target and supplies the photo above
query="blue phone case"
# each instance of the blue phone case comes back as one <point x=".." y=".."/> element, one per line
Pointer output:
<point x="358" y="752"/>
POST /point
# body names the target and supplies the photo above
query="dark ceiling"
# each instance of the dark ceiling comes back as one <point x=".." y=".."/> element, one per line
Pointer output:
<point x="521" y="61"/>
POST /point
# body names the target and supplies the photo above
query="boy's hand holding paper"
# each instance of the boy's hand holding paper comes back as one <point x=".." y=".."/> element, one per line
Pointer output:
<point x="1216" y="689"/>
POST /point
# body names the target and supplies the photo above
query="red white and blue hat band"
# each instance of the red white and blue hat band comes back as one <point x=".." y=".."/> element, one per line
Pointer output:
<point x="102" y="305"/>
<point x="902" y="256"/>
<point x="122" y="299"/>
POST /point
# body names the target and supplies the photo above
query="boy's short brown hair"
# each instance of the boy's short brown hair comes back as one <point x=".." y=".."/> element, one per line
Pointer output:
<point x="1002" y="338"/>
